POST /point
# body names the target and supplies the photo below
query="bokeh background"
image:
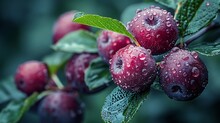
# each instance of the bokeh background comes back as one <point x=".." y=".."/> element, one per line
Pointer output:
<point x="26" y="33"/>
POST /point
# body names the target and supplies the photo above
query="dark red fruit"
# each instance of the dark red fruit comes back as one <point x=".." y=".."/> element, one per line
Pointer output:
<point x="133" y="68"/>
<point x="183" y="76"/>
<point x="75" y="70"/>
<point x="110" y="42"/>
<point x="31" y="76"/>
<point x="154" y="29"/>
<point x="65" y="25"/>
<point x="60" y="107"/>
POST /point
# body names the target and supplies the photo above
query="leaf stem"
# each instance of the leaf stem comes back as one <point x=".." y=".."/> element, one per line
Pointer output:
<point x="57" y="81"/>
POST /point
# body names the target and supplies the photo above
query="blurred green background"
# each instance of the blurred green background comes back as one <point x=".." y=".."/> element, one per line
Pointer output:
<point x="26" y="33"/>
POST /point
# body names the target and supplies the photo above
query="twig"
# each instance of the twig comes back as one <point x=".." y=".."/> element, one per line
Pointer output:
<point x="212" y="26"/>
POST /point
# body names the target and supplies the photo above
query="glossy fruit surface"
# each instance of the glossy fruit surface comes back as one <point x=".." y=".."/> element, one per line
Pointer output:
<point x="133" y="68"/>
<point x="75" y="70"/>
<point x="154" y="29"/>
<point x="64" y="25"/>
<point x="60" y="107"/>
<point x="31" y="76"/>
<point x="183" y="76"/>
<point x="110" y="42"/>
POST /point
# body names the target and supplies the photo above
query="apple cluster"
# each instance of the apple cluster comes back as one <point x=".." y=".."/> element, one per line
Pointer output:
<point x="182" y="74"/>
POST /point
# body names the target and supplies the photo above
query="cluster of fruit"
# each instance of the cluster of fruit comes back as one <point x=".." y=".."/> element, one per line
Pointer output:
<point x="182" y="75"/>
<point x="61" y="105"/>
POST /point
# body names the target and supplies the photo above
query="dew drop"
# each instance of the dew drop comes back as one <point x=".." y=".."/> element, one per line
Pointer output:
<point x="186" y="58"/>
<point x="151" y="18"/>
<point x="148" y="29"/>
<point x="157" y="36"/>
<point x="148" y="51"/>
<point x="164" y="12"/>
<point x="184" y="74"/>
<point x="114" y="44"/>
<point x="111" y="51"/>
<point x="173" y="70"/>
<point x="128" y="65"/>
<point x="135" y="19"/>
<point x="162" y="64"/>
<point x="195" y="54"/>
<point x="175" y="49"/>
<point x="178" y="64"/>
<point x="152" y="6"/>
<point x="195" y="72"/>
<point x="187" y="64"/>
<point x="168" y="24"/>
<point x="128" y="73"/>
<point x="167" y="31"/>
<point x="207" y="4"/>
<point x="144" y="71"/>
<point x="138" y="10"/>
<point x="142" y="56"/>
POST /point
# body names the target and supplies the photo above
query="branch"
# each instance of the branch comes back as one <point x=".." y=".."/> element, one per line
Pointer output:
<point x="212" y="26"/>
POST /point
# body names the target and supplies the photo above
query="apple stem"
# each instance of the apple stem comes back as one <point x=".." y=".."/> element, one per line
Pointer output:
<point x="43" y="94"/>
<point x="57" y="81"/>
<point x="182" y="44"/>
<point x="136" y="42"/>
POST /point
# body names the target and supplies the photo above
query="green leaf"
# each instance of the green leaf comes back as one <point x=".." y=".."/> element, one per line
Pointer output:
<point x="169" y="3"/>
<point x="102" y="22"/>
<point x="8" y="90"/>
<point x="129" y="13"/>
<point x="185" y="13"/>
<point x="121" y="106"/>
<point x="97" y="74"/>
<point x="205" y="14"/>
<point x="13" y="112"/>
<point x="207" y="48"/>
<point x="56" y="60"/>
<point x="77" y="42"/>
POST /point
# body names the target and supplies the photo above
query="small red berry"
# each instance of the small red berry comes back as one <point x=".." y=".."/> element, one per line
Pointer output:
<point x="75" y="70"/>
<point x="31" y="76"/>
<point x="60" y="107"/>
<point x="183" y="76"/>
<point x="133" y="68"/>
<point x="110" y="42"/>
<point x="154" y="29"/>
<point x="64" y="25"/>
